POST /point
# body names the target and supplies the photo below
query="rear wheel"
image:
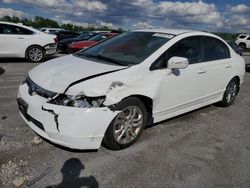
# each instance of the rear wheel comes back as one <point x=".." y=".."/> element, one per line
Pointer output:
<point x="230" y="93"/>
<point x="35" y="54"/>
<point x="127" y="126"/>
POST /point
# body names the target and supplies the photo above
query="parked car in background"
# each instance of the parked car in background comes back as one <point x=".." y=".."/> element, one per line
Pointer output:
<point x="110" y="92"/>
<point x="66" y="34"/>
<point x="53" y="31"/>
<point x="76" y="46"/>
<point x="20" y="41"/>
<point x="243" y="40"/>
<point x="63" y="44"/>
<point x="236" y="48"/>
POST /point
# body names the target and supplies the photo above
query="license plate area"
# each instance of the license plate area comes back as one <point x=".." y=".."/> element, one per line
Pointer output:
<point x="23" y="106"/>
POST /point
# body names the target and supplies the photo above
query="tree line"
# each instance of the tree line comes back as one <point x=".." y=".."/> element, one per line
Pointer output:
<point x="39" y="22"/>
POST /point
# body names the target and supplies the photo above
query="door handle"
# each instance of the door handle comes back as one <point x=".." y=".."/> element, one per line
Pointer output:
<point x="20" y="37"/>
<point x="202" y="72"/>
<point x="228" y="67"/>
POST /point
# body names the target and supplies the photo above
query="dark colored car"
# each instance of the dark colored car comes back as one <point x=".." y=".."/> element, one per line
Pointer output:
<point x="66" y="34"/>
<point x="236" y="48"/>
<point x="63" y="44"/>
<point x="76" y="46"/>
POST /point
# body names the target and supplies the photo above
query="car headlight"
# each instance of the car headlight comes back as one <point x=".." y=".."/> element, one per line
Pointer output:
<point x="79" y="101"/>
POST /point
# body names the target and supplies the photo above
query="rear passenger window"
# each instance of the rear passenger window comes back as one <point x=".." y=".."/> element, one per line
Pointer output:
<point x="215" y="49"/>
<point x="14" y="30"/>
<point x="25" y="31"/>
<point x="189" y="48"/>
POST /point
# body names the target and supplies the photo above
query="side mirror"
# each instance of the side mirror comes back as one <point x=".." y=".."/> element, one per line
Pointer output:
<point x="178" y="63"/>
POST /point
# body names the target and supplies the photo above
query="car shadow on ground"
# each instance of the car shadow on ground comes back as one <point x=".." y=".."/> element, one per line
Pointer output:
<point x="248" y="69"/>
<point x="13" y="60"/>
<point x="71" y="171"/>
<point x="68" y="149"/>
<point x="185" y="115"/>
<point x="2" y="70"/>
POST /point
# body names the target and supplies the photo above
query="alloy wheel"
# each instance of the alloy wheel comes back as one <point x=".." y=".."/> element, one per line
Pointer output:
<point x="128" y="124"/>
<point x="35" y="54"/>
<point x="231" y="91"/>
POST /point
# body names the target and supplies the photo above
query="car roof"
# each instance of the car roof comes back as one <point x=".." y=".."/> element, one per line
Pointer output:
<point x="47" y="28"/>
<point x="11" y="23"/>
<point x="20" y="25"/>
<point x="167" y="31"/>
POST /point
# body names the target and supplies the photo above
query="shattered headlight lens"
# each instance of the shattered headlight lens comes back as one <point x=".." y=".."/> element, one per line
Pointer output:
<point x="79" y="101"/>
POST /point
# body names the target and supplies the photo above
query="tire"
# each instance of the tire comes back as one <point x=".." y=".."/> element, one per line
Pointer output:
<point x="35" y="54"/>
<point x="230" y="93"/>
<point x="128" y="124"/>
<point x="243" y="46"/>
<point x="70" y="51"/>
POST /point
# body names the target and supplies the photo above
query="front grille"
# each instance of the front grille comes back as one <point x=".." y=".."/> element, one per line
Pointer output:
<point x="35" y="89"/>
<point x="23" y="106"/>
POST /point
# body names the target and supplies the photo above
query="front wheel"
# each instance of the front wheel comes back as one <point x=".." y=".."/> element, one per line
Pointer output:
<point x="35" y="54"/>
<point x="230" y="93"/>
<point x="127" y="126"/>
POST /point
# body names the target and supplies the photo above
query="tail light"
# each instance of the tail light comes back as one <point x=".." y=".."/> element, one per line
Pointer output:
<point x="56" y="40"/>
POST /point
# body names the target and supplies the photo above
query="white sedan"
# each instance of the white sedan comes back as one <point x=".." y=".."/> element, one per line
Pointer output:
<point x="24" y="42"/>
<point x="108" y="93"/>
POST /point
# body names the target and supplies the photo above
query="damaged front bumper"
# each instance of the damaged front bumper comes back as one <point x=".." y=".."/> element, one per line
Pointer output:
<point x="50" y="49"/>
<point x="76" y="128"/>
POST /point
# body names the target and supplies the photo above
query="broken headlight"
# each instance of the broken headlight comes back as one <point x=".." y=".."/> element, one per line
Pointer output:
<point x="79" y="101"/>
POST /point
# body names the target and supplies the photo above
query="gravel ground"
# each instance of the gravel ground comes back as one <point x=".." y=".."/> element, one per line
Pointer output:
<point x="209" y="147"/>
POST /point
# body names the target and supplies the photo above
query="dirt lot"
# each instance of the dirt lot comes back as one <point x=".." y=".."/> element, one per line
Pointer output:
<point x="209" y="147"/>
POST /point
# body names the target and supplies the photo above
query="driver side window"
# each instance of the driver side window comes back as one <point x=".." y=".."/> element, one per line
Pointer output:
<point x="189" y="48"/>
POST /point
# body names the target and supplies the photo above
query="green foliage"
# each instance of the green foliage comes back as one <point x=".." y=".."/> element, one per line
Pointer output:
<point x="39" y="22"/>
<point x="9" y="19"/>
<point x="227" y="36"/>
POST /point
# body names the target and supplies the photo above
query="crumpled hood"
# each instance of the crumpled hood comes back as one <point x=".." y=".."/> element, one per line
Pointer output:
<point x="57" y="74"/>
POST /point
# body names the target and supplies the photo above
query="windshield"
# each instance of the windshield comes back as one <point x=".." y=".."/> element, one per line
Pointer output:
<point x="84" y="36"/>
<point x="99" y="37"/>
<point x="130" y="48"/>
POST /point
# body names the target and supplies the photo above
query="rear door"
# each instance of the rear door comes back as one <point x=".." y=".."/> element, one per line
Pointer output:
<point x="218" y="67"/>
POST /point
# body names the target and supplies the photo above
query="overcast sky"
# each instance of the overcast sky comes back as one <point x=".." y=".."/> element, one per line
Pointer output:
<point x="207" y="15"/>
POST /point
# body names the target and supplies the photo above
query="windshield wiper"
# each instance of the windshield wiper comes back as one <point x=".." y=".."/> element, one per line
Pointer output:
<point x="101" y="57"/>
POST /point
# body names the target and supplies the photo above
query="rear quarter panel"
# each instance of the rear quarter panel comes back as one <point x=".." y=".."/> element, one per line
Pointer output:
<point x="39" y="39"/>
<point x="239" y="64"/>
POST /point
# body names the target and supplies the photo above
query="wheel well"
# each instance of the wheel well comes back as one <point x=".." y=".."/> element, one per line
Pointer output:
<point x="32" y="46"/>
<point x="238" y="81"/>
<point x="148" y="102"/>
<point x="242" y="43"/>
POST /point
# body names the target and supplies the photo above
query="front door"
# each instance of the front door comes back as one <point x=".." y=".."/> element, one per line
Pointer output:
<point x="181" y="89"/>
